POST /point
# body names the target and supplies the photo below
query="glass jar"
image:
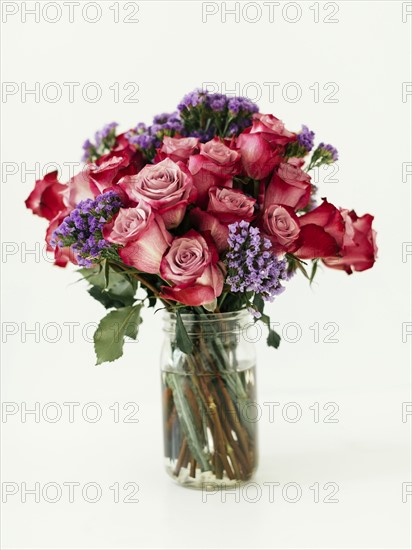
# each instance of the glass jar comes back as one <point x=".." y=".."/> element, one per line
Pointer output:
<point x="208" y="435"/>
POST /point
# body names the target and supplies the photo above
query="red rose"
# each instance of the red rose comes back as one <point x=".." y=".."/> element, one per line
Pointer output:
<point x="166" y="186"/>
<point x="289" y="186"/>
<point x="110" y="168"/>
<point x="230" y="205"/>
<point x="122" y="160"/>
<point x="213" y="166"/>
<point x="191" y="265"/>
<point x="359" y="249"/>
<point x="47" y="198"/>
<point x="262" y="145"/>
<point x="321" y="233"/>
<point x="177" y="148"/>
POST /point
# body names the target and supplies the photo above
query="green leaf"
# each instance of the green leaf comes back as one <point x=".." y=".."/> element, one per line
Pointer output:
<point x="273" y="339"/>
<point x="183" y="341"/>
<point x="109" y="287"/>
<point x="299" y="265"/>
<point x="106" y="274"/>
<point x="94" y="276"/>
<point x="112" y="329"/>
<point x="105" y="298"/>
<point x="314" y="269"/>
<point x="259" y="303"/>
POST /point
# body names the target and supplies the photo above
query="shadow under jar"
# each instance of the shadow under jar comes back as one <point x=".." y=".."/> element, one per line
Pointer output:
<point x="209" y="396"/>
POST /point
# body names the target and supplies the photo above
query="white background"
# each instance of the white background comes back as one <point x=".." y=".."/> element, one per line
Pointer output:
<point x="366" y="373"/>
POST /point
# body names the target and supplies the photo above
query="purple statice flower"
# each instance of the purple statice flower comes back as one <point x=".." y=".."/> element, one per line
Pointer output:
<point x="242" y="104"/>
<point x="155" y="128"/>
<point x="144" y="141"/>
<point x="149" y="138"/>
<point x="306" y="138"/>
<point x="256" y="314"/>
<point x="233" y="129"/>
<point x="328" y="151"/>
<point x="102" y="134"/>
<point x="206" y="115"/>
<point x="104" y="140"/>
<point x="88" y="150"/>
<point x="252" y="267"/>
<point x="323" y="154"/>
<point x="82" y="228"/>
<point x="161" y="119"/>
<point x="203" y="135"/>
<point x="216" y="102"/>
<point x="193" y="99"/>
<point x="141" y="127"/>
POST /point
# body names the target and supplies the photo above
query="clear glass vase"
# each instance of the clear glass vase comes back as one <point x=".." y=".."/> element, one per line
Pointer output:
<point x="209" y="437"/>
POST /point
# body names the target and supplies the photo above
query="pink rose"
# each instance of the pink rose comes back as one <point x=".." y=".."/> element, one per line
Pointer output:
<point x="289" y="186"/>
<point x="230" y="205"/>
<point x="205" y="222"/>
<point x="217" y="157"/>
<point x="359" y="249"/>
<point x="262" y="145"/>
<point x="80" y="188"/>
<point x="178" y="148"/>
<point x="191" y="265"/>
<point x="213" y="166"/>
<point x="272" y="129"/>
<point x="143" y="235"/>
<point x="47" y="199"/>
<point x="296" y="161"/>
<point x="166" y="186"/>
<point x="281" y="225"/>
<point x="127" y="224"/>
<point x="259" y="156"/>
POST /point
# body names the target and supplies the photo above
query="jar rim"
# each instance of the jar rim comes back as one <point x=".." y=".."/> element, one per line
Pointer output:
<point x="208" y="317"/>
<point x="224" y="321"/>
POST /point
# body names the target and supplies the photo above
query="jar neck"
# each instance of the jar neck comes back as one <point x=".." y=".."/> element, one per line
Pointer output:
<point x="208" y="323"/>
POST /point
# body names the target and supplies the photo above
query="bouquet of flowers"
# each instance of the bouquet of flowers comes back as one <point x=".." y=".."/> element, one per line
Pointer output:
<point x="208" y="210"/>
